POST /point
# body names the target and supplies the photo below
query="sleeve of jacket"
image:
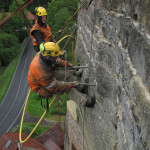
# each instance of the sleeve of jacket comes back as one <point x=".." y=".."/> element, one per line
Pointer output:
<point x="39" y="36"/>
<point x="62" y="63"/>
<point x="54" y="86"/>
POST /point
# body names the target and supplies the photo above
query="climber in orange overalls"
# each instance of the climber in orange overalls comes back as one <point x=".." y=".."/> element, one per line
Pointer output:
<point x="40" y="31"/>
<point x="45" y="78"/>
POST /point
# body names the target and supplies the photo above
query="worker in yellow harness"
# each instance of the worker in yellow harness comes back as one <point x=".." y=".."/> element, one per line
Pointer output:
<point x="40" y="31"/>
<point x="44" y="77"/>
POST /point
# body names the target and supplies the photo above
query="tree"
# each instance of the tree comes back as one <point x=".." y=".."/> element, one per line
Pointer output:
<point x="60" y="17"/>
<point x="8" y="48"/>
<point x="72" y="5"/>
<point x="37" y="3"/>
<point x="4" y="5"/>
<point x="59" y="11"/>
<point x="18" y="23"/>
<point x="56" y="17"/>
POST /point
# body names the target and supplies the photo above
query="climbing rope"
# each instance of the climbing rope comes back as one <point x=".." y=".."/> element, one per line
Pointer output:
<point x="70" y="37"/>
<point x="63" y="38"/>
<point x="83" y="126"/>
<point x="20" y="138"/>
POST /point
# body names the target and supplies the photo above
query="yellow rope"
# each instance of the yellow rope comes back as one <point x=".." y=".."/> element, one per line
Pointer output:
<point x="63" y="38"/>
<point x="23" y="141"/>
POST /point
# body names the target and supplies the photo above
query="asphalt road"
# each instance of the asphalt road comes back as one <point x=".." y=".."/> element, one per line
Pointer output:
<point x="12" y="105"/>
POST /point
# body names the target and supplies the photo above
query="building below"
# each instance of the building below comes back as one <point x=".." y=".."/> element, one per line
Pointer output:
<point x="52" y="139"/>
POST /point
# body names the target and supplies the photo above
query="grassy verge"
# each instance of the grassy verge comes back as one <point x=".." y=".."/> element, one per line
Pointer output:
<point x="28" y="127"/>
<point x="6" y="75"/>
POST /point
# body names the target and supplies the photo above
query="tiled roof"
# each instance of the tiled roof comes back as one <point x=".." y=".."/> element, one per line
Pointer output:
<point x="8" y="141"/>
<point x="53" y="139"/>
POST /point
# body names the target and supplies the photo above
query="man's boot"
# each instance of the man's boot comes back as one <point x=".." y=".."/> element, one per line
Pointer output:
<point x="90" y="103"/>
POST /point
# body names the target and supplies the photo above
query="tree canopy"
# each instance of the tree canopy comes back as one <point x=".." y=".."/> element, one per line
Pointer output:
<point x="59" y="11"/>
<point x="15" y="30"/>
<point x="4" y="6"/>
<point x="12" y="33"/>
<point x="8" y="50"/>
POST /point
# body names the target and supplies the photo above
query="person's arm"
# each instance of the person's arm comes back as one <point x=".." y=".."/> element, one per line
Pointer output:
<point x="38" y="36"/>
<point x="54" y="86"/>
<point x="63" y="63"/>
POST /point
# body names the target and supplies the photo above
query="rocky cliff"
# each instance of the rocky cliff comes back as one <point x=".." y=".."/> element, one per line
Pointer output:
<point x="113" y="40"/>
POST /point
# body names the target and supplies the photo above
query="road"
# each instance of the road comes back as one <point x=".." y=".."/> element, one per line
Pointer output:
<point x="13" y="102"/>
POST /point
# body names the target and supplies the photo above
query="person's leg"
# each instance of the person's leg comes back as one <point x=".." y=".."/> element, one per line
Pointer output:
<point x="44" y="92"/>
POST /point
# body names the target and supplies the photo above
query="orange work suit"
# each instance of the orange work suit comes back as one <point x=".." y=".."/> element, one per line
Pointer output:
<point x="45" y="30"/>
<point x="46" y="80"/>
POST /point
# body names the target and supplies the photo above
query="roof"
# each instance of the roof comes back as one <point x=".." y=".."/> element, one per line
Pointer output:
<point x="8" y="141"/>
<point x="52" y="139"/>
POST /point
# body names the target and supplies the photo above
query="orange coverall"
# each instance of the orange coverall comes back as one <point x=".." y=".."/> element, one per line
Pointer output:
<point x="46" y="80"/>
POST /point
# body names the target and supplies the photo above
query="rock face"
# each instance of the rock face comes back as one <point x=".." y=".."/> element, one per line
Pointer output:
<point x="113" y="40"/>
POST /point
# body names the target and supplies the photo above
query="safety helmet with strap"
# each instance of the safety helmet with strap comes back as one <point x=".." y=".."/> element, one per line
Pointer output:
<point x="40" y="11"/>
<point x="50" y="49"/>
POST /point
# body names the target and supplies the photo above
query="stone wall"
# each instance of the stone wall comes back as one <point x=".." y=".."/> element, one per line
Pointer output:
<point x="113" y="40"/>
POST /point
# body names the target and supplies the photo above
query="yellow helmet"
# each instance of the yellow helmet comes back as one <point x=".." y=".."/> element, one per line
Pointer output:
<point x="50" y="49"/>
<point x="40" y="11"/>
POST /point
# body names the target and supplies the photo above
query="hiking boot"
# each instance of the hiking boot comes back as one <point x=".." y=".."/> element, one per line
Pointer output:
<point x="90" y="103"/>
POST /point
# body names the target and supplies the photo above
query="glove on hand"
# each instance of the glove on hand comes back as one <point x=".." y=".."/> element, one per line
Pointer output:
<point x="70" y="65"/>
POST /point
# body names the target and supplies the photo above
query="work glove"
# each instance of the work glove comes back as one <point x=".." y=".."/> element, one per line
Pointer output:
<point x="70" y="65"/>
<point x="42" y="47"/>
